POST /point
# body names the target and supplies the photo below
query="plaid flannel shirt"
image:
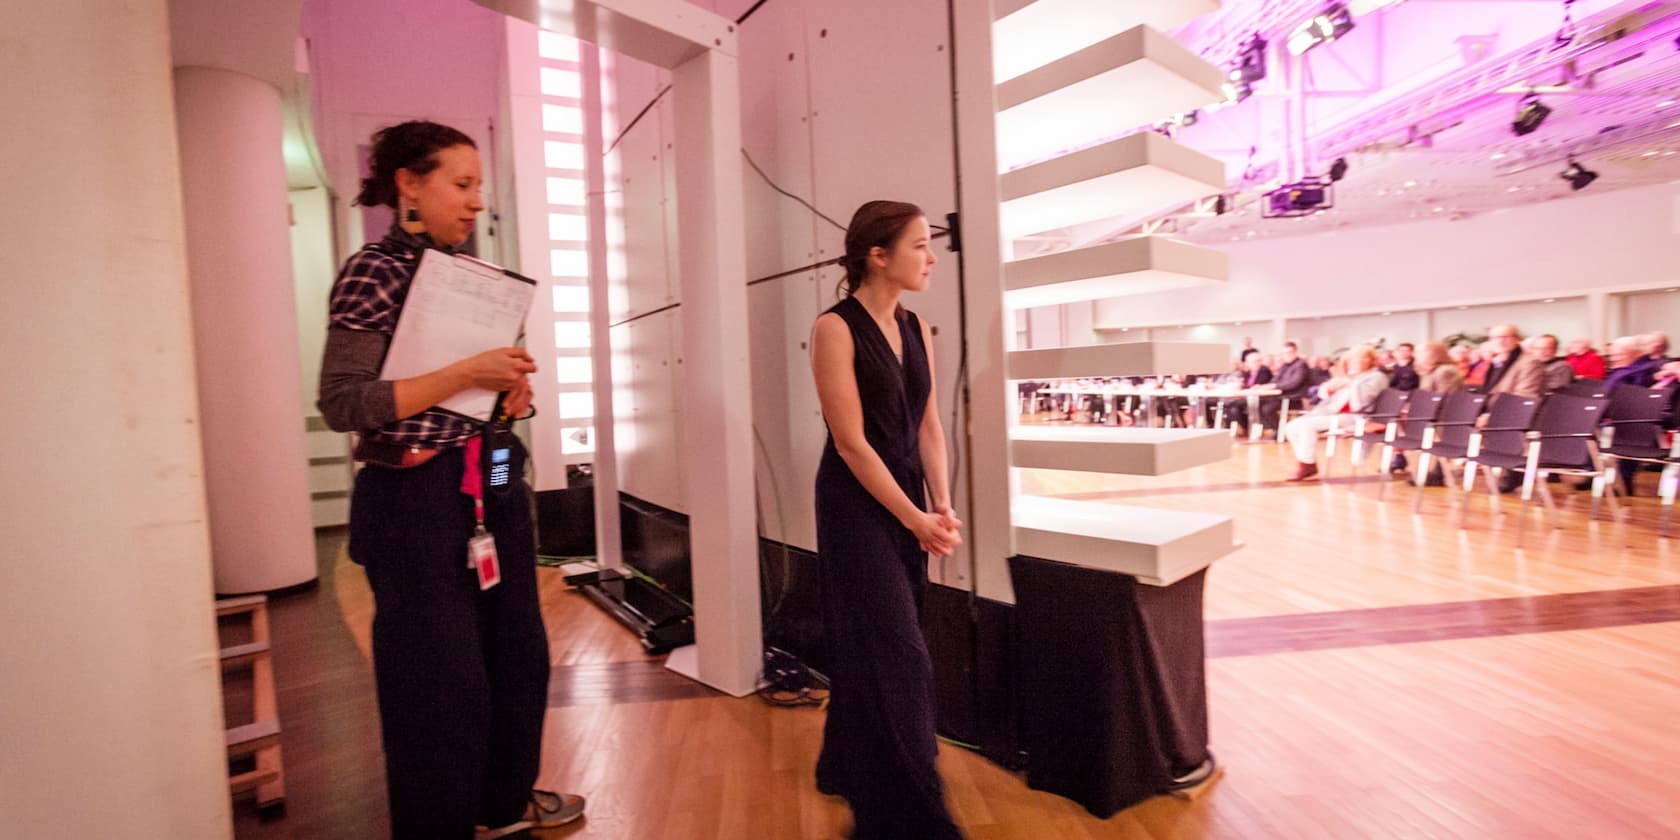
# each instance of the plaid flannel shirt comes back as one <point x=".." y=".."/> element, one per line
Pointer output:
<point x="368" y="295"/>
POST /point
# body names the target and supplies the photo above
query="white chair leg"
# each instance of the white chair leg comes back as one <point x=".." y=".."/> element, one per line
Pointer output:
<point x="1420" y="478"/>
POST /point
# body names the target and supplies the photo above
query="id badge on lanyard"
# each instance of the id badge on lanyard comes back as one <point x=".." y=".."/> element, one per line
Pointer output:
<point x="481" y="549"/>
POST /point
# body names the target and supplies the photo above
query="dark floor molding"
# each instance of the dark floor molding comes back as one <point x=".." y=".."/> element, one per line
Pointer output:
<point x="1442" y="622"/>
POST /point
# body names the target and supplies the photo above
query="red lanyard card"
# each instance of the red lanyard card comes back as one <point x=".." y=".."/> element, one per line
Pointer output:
<point x="481" y="549"/>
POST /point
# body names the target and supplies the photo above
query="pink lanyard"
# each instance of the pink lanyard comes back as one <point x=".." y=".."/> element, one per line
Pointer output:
<point x="472" y="477"/>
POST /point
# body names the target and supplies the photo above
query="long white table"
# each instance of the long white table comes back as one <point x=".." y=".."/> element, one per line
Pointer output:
<point x="1195" y="394"/>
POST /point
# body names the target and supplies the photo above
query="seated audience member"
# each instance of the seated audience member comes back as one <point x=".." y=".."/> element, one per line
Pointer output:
<point x="1512" y="371"/>
<point x="1171" y="409"/>
<point x="1584" y="360"/>
<point x="1667" y="376"/>
<point x="1352" y="393"/>
<point x="1481" y="361"/>
<point x="1630" y="366"/>
<point x="1437" y="371"/>
<point x="1319" y="371"/>
<point x="1403" y="375"/>
<point x="1255" y="374"/>
<point x="1555" y="373"/>
<point x="1460" y="354"/>
<point x="1292" y="378"/>
<point x="1638" y="362"/>
<point x="1385" y="360"/>
<point x="1656" y="348"/>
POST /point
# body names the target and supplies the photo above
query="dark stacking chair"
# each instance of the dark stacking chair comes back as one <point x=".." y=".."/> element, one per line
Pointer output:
<point x="1561" y="439"/>
<point x="1635" y="428"/>
<point x="1386" y="412"/>
<point x="1501" y="444"/>
<point x="1407" y="435"/>
<point x="1584" y="388"/>
<point x="1388" y="406"/>
<point x="1446" y="439"/>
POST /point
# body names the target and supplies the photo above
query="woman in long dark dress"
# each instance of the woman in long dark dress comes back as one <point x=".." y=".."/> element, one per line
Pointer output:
<point x="883" y="504"/>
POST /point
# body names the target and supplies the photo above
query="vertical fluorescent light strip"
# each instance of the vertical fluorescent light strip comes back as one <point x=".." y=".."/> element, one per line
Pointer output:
<point x="560" y="84"/>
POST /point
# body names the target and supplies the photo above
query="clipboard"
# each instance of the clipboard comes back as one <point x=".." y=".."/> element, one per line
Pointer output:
<point x="457" y="306"/>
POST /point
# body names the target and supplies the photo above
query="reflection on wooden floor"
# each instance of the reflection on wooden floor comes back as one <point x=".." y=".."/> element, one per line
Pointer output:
<point x="1371" y="674"/>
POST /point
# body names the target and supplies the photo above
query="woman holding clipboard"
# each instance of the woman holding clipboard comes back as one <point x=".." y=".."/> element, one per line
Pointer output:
<point x="460" y="658"/>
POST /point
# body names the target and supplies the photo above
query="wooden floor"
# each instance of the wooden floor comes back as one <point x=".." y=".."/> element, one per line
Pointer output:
<point x="1371" y="674"/>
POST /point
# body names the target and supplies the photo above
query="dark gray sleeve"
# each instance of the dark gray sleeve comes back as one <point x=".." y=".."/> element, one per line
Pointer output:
<point x="353" y="397"/>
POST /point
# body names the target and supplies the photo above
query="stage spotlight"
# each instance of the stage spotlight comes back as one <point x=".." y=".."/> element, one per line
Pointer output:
<point x="1327" y="26"/>
<point x="1338" y="169"/>
<point x="1251" y="61"/>
<point x="1530" y="115"/>
<point x="1577" y="176"/>
<point x="1302" y="198"/>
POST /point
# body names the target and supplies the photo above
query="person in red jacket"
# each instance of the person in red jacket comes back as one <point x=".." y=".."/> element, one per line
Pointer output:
<point x="1585" y="360"/>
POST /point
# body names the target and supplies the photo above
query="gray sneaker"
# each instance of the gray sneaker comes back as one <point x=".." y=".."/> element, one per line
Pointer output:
<point x="549" y="809"/>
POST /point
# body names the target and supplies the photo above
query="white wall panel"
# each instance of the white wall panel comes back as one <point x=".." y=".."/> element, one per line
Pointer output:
<point x="1322" y="336"/>
<point x="644" y="408"/>
<point x="644" y="191"/>
<point x="782" y="235"/>
<point x="1563" y="317"/>
<point x="1647" y="312"/>
<point x="862" y="112"/>
<point x="775" y="107"/>
<point x="881" y="128"/>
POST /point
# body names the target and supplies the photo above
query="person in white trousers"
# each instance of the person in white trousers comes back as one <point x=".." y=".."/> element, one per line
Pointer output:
<point x="1352" y="392"/>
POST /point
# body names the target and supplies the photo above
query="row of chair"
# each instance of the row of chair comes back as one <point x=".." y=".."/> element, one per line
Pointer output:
<point x="1579" y="431"/>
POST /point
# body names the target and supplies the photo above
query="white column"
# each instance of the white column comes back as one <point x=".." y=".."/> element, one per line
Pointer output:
<point x="112" y="719"/>
<point x="717" y="385"/>
<point x="233" y="183"/>
<point x="609" y="545"/>
<point x="985" y="433"/>
<point x="1602" y="323"/>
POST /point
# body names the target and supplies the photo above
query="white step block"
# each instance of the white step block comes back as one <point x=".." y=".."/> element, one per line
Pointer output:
<point x="1133" y="358"/>
<point x="1136" y="78"/>
<point x="1158" y="547"/>
<point x="1117" y="450"/>
<point x="1030" y="34"/>
<point x="1126" y="180"/>
<point x="1132" y="266"/>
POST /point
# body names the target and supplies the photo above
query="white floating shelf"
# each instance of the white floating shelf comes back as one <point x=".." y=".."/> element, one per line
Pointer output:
<point x="1134" y="358"/>
<point x="1030" y="34"/>
<point x="1117" y="450"/>
<point x="1129" y="267"/>
<point x="1135" y="78"/>
<point x="1130" y="178"/>
<point x="1158" y="547"/>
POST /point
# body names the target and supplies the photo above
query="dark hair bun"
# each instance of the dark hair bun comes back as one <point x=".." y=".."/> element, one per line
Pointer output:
<point x="411" y="145"/>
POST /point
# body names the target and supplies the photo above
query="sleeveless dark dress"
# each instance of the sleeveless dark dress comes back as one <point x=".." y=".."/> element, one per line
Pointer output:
<point x="878" y="741"/>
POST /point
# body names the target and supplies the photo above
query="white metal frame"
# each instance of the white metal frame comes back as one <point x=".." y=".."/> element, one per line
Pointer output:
<point x="700" y="50"/>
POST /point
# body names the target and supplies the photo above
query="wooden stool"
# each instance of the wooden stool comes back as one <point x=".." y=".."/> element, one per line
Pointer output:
<point x="260" y="737"/>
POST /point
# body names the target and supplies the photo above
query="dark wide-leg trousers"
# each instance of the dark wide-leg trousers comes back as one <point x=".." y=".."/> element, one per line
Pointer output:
<point x="462" y="673"/>
<point x="878" y="741"/>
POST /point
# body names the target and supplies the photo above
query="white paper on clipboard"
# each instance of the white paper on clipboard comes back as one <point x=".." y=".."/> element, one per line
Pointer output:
<point x="457" y="307"/>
